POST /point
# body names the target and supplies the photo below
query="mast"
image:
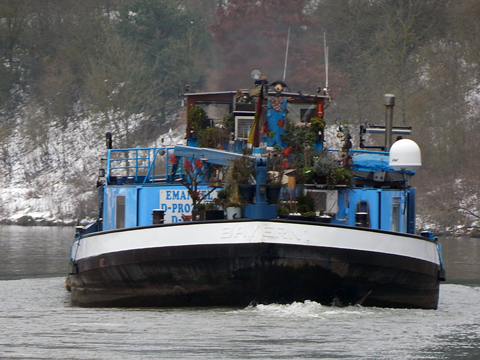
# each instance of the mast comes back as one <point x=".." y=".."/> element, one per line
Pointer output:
<point x="325" y="48"/>
<point x="286" y="55"/>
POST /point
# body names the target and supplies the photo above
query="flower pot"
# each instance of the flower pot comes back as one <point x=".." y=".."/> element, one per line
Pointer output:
<point x="199" y="215"/>
<point x="273" y="193"/>
<point x="244" y="107"/>
<point x="320" y="179"/>
<point x="234" y="212"/>
<point x="247" y="192"/>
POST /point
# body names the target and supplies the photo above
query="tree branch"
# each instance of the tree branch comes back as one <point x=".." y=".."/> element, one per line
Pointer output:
<point x="469" y="212"/>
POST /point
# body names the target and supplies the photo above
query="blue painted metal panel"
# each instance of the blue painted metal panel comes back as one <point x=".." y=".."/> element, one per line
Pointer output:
<point x="364" y="200"/>
<point x="131" y="207"/>
<point x="386" y="216"/>
<point x="147" y="201"/>
<point x="380" y="208"/>
<point x="141" y="200"/>
<point x="411" y="211"/>
<point x="130" y="193"/>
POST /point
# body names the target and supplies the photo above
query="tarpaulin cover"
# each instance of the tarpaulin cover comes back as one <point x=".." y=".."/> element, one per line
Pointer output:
<point x="373" y="163"/>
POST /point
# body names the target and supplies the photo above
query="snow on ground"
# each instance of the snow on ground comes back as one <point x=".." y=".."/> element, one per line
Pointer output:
<point x="49" y="170"/>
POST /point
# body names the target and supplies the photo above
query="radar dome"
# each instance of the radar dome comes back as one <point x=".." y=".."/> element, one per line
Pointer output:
<point x="405" y="155"/>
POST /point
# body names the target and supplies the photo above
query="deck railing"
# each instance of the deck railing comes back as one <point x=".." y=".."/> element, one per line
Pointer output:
<point x="138" y="165"/>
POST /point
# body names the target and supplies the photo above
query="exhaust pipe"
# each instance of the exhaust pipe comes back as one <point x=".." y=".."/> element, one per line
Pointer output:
<point x="389" y="104"/>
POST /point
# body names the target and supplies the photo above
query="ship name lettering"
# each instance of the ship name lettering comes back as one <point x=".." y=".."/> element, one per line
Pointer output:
<point x="247" y="232"/>
<point x="177" y="195"/>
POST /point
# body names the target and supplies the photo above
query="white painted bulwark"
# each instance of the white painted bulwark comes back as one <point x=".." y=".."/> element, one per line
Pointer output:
<point x="256" y="232"/>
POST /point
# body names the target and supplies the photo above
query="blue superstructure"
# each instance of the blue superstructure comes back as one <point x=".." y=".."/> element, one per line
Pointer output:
<point x="140" y="181"/>
<point x="137" y="196"/>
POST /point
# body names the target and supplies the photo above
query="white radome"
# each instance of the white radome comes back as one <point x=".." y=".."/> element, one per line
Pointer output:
<point x="405" y="154"/>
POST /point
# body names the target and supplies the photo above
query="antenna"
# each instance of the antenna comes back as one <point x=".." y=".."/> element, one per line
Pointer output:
<point x="286" y="55"/>
<point x="325" y="47"/>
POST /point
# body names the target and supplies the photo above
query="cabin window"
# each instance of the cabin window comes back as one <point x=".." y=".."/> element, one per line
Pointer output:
<point x="396" y="214"/>
<point x="215" y="110"/>
<point x="120" y="212"/>
<point x="243" y="125"/>
<point x="301" y="113"/>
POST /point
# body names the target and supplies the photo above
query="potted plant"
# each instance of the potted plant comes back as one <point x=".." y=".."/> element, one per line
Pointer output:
<point x="317" y="125"/>
<point x="321" y="168"/>
<point x="197" y="120"/>
<point x="305" y="205"/>
<point x="228" y="122"/>
<point x="212" y="137"/>
<point x="307" y="174"/>
<point x="195" y="174"/>
<point x="234" y="202"/>
<point x="222" y="198"/>
<point x="340" y="176"/>
<point x="276" y="170"/>
<point x="243" y="102"/>
<point x="300" y="138"/>
<point x="283" y="211"/>
<point x="206" y="211"/>
<point x="241" y="170"/>
<point x="301" y="142"/>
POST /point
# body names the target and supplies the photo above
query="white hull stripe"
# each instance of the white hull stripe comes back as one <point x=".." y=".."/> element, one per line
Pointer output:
<point x="255" y="232"/>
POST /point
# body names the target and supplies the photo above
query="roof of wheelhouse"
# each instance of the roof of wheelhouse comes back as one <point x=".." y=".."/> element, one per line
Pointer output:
<point x="227" y="95"/>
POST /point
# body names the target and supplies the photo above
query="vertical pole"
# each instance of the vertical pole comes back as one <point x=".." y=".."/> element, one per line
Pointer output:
<point x="325" y="50"/>
<point x="258" y="115"/>
<point x="389" y="104"/>
<point x="286" y="55"/>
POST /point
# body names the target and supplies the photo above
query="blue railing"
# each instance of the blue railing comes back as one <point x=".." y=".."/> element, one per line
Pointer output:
<point x="359" y="151"/>
<point x="137" y="164"/>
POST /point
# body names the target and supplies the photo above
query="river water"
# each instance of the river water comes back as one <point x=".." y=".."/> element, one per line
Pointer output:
<point x="37" y="321"/>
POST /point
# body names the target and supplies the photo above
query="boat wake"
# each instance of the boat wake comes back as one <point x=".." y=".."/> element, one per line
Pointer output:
<point x="455" y="302"/>
<point x="306" y="309"/>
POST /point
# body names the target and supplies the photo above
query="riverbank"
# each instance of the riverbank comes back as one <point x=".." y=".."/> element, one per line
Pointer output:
<point x="29" y="220"/>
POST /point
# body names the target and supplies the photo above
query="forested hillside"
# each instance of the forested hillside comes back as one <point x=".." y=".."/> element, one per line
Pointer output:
<point x="72" y="70"/>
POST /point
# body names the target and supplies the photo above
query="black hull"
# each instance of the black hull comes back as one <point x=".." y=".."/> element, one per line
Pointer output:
<point x="239" y="274"/>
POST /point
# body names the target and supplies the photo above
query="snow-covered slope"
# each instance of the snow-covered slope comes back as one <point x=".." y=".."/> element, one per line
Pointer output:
<point x="48" y="171"/>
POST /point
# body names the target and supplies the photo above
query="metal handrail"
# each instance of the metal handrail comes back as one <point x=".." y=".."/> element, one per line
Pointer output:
<point x="138" y="158"/>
